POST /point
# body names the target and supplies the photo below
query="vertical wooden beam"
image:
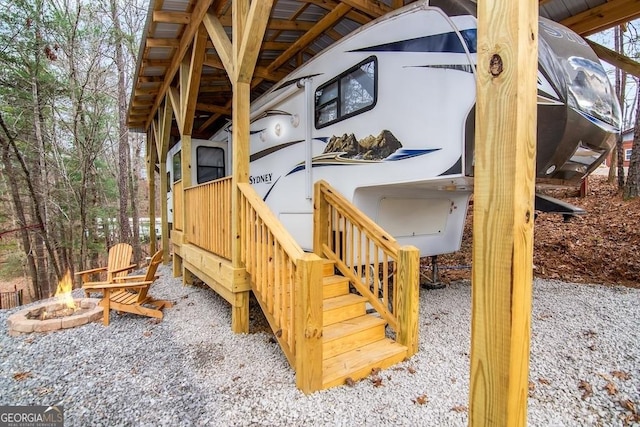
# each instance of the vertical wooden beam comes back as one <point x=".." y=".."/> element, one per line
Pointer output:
<point x="503" y="211"/>
<point x="408" y="294"/>
<point x="151" y="176"/>
<point x="185" y="153"/>
<point x="164" y="127"/>
<point x="308" y="323"/>
<point x="320" y="220"/>
<point x="240" y="161"/>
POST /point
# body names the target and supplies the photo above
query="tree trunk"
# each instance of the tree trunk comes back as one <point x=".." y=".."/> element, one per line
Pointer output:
<point x="22" y="221"/>
<point x="632" y="186"/>
<point x="621" y="79"/>
<point x="135" y="214"/>
<point x="124" y="151"/>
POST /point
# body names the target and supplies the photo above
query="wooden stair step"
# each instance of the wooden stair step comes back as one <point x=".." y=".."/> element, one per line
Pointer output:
<point x="349" y="334"/>
<point x="341" y="308"/>
<point x="334" y="286"/>
<point x="357" y="364"/>
<point x="328" y="267"/>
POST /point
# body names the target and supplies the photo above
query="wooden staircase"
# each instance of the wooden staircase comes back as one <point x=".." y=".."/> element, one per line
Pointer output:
<point x="353" y="342"/>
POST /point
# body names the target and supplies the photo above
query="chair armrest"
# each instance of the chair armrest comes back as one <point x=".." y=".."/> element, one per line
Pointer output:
<point x="133" y="278"/>
<point x="121" y="269"/>
<point x="93" y="270"/>
<point x="105" y="285"/>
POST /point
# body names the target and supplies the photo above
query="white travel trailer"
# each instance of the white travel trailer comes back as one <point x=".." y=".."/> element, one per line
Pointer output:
<point x="386" y="116"/>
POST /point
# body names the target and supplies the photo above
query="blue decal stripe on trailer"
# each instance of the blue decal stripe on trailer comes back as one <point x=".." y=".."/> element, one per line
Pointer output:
<point x="446" y="42"/>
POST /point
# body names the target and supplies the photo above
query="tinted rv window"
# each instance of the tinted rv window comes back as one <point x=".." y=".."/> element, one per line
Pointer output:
<point x="210" y="163"/>
<point x="351" y="93"/>
<point x="177" y="167"/>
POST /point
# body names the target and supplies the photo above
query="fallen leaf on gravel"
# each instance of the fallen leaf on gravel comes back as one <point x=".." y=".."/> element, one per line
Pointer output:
<point x="147" y="333"/>
<point x="532" y="386"/>
<point x="459" y="408"/>
<point x="236" y="378"/>
<point x="155" y="321"/>
<point x="43" y="391"/>
<point x="411" y="370"/>
<point x="350" y="382"/>
<point x="375" y="371"/>
<point x="611" y="388"/>
<point x="420" y="400"/>
<point x="628" y="405"/>
<point x="621" y="375"/>
<point x="544" y="381"/>
<point x="587" y="389"/>
<point x="377" y="381"/>
<point x="19" y="376"/>
<point x="398" y="368"/>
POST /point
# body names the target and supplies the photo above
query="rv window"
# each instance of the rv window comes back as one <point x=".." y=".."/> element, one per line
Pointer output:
<point x="351" y="93"/>
<point x="210" y="163"/>
<point x="177" y="167"/>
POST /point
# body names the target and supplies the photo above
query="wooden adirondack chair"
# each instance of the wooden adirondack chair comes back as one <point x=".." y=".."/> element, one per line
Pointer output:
<point x="118" y="265"/>
<point x="131" y="295"/>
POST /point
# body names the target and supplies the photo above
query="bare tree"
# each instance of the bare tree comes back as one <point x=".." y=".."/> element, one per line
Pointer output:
<point x="632" y="186"/>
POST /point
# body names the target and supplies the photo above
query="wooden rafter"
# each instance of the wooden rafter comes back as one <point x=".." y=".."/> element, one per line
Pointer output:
<point x="198" y="13"/>
<point x="193" y="82"/>
<point x="374" y="9"/>
<point x="171" y="17"/>
<point x="328" y="21"/>
<point x="603" y="17"/>
<point x="616" y="59"/>
<point x="162" y="42"/>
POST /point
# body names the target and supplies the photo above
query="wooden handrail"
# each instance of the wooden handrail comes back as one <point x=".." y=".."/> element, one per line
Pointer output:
<point x="365" y="254"/>
<point x="287" y="283"/>
<point x="289" y="245"/>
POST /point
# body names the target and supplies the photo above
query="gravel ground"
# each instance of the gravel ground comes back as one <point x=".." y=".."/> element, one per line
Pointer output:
<point x="190" y="369"/>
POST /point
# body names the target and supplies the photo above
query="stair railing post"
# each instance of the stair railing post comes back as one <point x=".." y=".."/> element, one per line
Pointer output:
<point x="320" y="219"/>
<point x="408" y="286"/>
<point x="308" y="323"/>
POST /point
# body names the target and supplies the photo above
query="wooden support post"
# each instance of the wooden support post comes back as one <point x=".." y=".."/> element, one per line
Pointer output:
<point x="408" y="294"/>
<point x="240" y="313"/>
<point x="308" y="323"/>
<point x="164" y="212"/>
<point x="162" y="144"/>
<point x="151" y="176"/>
<point x="177" y="265"/>
<point x="503" y="211"/>
<point x="320" y="220"/>
<point x="240" y="143"/>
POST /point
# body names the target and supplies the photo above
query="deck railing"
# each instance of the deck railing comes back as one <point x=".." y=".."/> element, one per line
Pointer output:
<point x="178" y="206"/>
<point x="208" y="219"/>
<point x="287" y="282"/>
<point x="380" y="269"/>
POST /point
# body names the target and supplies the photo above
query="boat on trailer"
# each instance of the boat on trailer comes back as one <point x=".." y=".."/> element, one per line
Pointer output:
<point x="387" y="116"/>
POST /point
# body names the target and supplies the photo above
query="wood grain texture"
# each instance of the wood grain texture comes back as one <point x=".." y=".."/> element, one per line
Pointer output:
<point x="503" y="211"/>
